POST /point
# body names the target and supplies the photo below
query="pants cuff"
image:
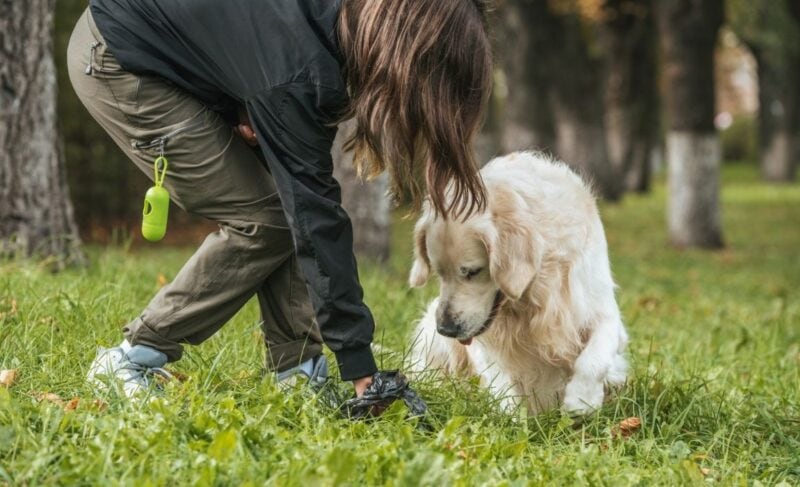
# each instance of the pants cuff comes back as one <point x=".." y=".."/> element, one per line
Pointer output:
<point x="138" y="332"/>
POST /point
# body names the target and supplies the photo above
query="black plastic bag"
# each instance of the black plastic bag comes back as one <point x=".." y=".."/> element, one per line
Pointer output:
<point x="386" y="388"/>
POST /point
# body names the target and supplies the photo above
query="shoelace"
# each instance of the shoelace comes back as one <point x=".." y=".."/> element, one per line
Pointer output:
<point x="142" y="372"/>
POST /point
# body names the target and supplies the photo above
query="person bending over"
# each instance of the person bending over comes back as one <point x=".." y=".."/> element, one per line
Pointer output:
<point x="182" y="78"/>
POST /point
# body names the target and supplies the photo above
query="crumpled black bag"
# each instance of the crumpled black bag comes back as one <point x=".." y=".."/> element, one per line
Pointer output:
<point x="387" y="387"/>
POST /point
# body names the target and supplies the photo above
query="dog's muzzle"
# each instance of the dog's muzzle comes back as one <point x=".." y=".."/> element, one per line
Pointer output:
<point x="454" y="331"/>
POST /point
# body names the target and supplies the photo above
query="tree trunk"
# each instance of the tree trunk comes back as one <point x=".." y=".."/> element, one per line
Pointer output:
<point x="555" y="91"/>
<point x="488" y="144"/>
<point x="366" y="202"/>
<point x="688" y="31"/>
<point x="779" y="112"/>
<point x="35" y="211"/>
<point x="528" y="122"/>
<point x="627" y="35"/>
<point x="794" y="11"/>
<point x="771" y="30"/>
<point x="777" y="142"/>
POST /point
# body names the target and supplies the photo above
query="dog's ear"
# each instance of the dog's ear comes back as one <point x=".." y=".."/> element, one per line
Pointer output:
<point x="421" y="269"/>
<point x="513" y="245"/>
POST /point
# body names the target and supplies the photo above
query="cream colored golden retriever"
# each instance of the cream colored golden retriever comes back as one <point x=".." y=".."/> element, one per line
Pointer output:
<point x="527" y="299"/>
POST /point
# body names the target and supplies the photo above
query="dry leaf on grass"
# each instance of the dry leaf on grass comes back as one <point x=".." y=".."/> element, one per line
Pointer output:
<point x="50" y="397"/>
<point x="626" y="427"/>
<point x="7" y="377"/>
<point x="161" y="280"/>
<point x="179" y="376"/>
<point x="70" y="405"/>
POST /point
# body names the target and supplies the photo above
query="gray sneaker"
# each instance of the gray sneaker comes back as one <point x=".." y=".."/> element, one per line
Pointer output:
<point x="313" y="370"/>
<point x="135" y="371"/>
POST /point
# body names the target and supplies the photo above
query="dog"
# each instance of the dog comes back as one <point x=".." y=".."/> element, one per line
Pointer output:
<point x="527" y="301"/>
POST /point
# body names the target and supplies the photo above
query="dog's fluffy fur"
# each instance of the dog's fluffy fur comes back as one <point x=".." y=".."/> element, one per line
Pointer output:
<point x="527" y="298"/>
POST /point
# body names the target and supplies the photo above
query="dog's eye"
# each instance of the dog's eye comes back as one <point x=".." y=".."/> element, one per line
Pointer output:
<point x="470" y="273"/>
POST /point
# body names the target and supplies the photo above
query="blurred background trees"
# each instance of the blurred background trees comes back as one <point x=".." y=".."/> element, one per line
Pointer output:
<point x="613" y="87"/>
<point x="771" y="31"/>
<point x="35" y="210"/>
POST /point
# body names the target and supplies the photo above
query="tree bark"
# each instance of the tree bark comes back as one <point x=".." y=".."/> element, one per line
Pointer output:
<point x="627" y="35"/>
<point x="688" y="31"/>
<point x="779" y="110"/>
<point x="771" y="30"/>
<point x="555" y="87"/>
<point x="777" y="137"/>
<point x="35" y="211"/>
<point x="794" y="12"/>
<point x="488" y="143"/>
<point x="367" y="203"/>
<point x="528" y="120"/>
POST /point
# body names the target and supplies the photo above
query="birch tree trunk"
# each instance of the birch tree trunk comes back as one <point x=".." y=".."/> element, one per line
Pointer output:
<point x="367" y="203"/>
<point x="688" y="31"/>
<point x="35" y="212"/>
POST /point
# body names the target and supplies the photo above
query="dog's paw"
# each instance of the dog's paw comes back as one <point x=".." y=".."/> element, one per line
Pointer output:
<point x="583" y="397"/>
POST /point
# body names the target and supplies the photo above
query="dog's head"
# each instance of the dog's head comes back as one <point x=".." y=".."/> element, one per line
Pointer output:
<point x="482" y="262"/>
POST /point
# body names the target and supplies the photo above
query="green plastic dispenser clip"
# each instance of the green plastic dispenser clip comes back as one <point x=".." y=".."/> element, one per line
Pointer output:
<point x="156" y="205"/>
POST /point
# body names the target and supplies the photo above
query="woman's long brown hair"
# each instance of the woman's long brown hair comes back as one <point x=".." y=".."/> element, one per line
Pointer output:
<point x="419" y="74"/>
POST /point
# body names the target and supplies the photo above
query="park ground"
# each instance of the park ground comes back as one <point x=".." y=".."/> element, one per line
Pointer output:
<point x="715" y="353"/>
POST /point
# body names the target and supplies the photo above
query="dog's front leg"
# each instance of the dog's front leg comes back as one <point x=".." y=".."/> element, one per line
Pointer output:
<point x="600" y="361"/>
<point x="492" y="376"/>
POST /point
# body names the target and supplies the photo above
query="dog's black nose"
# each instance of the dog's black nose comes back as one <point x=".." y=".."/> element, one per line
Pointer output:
<point x="446" y="325"/>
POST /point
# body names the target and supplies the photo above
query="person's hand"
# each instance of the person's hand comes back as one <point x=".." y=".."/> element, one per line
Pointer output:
<point x="362" y="384"/>
<point x="245" y="128"/>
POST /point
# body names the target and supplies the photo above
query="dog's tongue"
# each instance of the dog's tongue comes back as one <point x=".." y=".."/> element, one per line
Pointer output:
<point x="466" y="342"/>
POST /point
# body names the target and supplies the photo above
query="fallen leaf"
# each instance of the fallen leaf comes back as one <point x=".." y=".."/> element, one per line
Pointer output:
<point x="161" y="280"/>
<point x="13" y="306"/>
<point x="72" y="405"/>
<point x="50" y="397"/>
<point x="179" y="376"/>
<point x="626" y="427"/>
<point x="7" y="377"/>
<point x="705" y="471"/>
<point x="649" y="303"/>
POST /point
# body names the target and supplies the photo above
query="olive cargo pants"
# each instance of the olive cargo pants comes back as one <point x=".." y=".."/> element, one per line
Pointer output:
<point x="212" y="173"/>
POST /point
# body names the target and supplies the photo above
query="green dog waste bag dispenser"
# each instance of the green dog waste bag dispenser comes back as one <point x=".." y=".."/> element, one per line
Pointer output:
<point x="156" y="205"/>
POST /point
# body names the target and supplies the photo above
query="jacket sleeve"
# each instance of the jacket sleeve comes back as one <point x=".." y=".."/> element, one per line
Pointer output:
<point x="296" y="138"/>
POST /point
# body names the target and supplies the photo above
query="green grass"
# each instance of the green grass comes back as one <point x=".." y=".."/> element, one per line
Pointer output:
<point x="715" y="352"/>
